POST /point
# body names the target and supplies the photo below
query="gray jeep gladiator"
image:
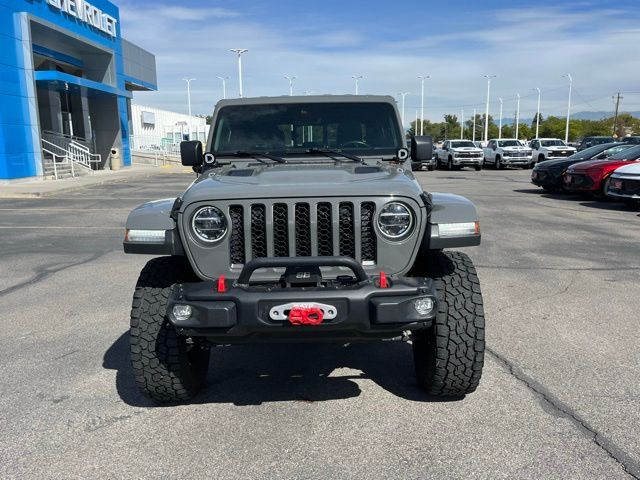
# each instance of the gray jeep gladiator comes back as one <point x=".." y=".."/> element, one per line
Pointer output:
<point x="305" y="224"/>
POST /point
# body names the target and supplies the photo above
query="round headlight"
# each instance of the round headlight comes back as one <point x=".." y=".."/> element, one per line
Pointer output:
<point x="209" y="224"/>
<point x="395" y="220"/>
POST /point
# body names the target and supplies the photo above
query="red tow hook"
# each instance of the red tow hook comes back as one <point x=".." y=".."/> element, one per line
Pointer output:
<point x="384" y="282"/>
<point x="306" y="316"/>
<point x="222" y="287"/>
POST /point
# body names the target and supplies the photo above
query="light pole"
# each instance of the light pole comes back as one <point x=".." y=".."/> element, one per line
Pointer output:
<point x="239" y="52"/>
<point x="566" y="132"/>
<point x="500" y="121"/>
<point x="538" y="113"/>
<point x="486" y="111"/>
<point x="517" y="115"/>
<point x="224" y="86"/>
<point x="189" y="80"/>
<point x="357" y="80"/>
<point x="474" y="126"/>
<point x="291" y="79"/>
<point x="403" y="94"/>
<point x="462" y="125"/>
<point x="422" y="79"/>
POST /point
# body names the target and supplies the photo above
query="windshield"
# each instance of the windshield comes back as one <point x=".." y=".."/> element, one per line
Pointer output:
<point x="588" y="153"/>
<point x="632" y="153"/>
<point x="509" y="143"/>
<point x="462" y="144"/>
<point x="552" y="143"/>
<point x="359" y="128"/>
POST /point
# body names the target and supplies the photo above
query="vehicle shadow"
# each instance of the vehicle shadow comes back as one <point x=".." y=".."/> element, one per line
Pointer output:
<point x="257" y="374"/>
<point x="582" y="199"/>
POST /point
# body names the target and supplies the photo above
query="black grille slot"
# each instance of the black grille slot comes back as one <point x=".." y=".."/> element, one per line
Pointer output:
<point x="346" y="232"/>
<point x="368" y="234"/>
<point x="280" y="230"/>
<point x="303" y="230"/>
<point x="325" y="230"/>
<point x="258" y="231"/>
<point x="236" y="240"/>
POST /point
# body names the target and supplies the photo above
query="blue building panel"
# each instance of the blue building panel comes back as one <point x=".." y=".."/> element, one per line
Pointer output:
<point x="20" y="120"/>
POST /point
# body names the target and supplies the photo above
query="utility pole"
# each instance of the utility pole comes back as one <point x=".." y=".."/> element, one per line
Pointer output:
<point x="474" y="125"/>
<point x="500" y="124"/>
<point x="403" y="94"/>
<point x="486" y="112"/>
<point x="224" y="86"/>
<point x="462" y="125"/>
<point x="189" y="80"/>
<point x="291" y="78"/>
<point x="566" y="133"/>
<point x="517" y="116"/>
<point x="357" y="79"/>
<point x="415" y="131"/>
<point x="239" y="52"/>
<point x="615" y="118"/>
<point x="422" y="79"/>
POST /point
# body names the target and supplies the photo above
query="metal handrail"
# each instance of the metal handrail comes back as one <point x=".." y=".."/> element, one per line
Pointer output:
<point x="55" y="156"/>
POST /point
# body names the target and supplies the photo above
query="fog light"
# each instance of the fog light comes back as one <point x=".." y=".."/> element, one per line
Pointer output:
<point x="423" y="305"/>
<point x="182" y="312"/>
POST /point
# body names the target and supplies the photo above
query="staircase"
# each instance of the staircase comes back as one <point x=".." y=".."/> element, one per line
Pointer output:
<point x="73" y="161"/>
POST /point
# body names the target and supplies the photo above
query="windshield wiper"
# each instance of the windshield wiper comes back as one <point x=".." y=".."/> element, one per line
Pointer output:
<point x="257" y="155"/>
<point x="333" y="153"/>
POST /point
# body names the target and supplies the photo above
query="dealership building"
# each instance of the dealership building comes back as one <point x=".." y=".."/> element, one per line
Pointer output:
<point x="67" y="78"/>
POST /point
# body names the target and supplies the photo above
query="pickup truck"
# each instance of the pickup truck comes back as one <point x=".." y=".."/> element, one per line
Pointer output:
<point x="550" y="149"/>
<point x="459" y="153"/>
<point x="506" y="152"/>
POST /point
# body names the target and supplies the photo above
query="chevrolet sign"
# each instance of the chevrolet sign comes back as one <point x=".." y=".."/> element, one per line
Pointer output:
<point x="87" y="13"/>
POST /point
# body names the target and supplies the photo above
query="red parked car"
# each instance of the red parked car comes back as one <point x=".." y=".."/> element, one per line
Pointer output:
<point x="593" y="176"/>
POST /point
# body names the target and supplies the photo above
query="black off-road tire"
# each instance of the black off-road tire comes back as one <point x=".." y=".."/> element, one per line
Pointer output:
<point x="431" y="168"/>
<point x="498" y="165"/>
<point x="478" y="168"/>
<point x="449" y="356"/>
<point x="168" y="367"/>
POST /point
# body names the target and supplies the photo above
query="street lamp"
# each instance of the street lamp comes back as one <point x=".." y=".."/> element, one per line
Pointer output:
<point x="462" y="125"/>
<point x="357" y="79"/>
<point x="474" y="125"/>
<point x="291" y="79"/>
<point x="403" y="94"/>
<point x="566" y="133"/>
<point x="538" y="113"/>
<point x="422" y="79"/>
<point x="189" y="80"/>
<point x="486" y="112"/>
<point x="239" y="52"/>
<point x="500" y="121"/>
<point x="517" y="115"/>
<point x="224" y="86"/>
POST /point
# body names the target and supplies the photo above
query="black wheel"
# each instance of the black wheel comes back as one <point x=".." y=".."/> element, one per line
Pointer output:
<point x="449" y="356"/>
<point x="431" y="168"/>
<point x="498" y="163"/>
<point x="478" y="168"/>
<point x="450" y="164"/>
<point x="167" y="367"/>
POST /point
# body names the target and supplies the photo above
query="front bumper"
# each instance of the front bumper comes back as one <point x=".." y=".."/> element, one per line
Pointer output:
<point x="424" y="163"/>
<point x="244" y="312"/>
<point x="468" y="161"/>
<point x="516" y="160"/>
<point x="546" y="178"/>
<point x="624" y="188"/>
<point x="575" y="182"/>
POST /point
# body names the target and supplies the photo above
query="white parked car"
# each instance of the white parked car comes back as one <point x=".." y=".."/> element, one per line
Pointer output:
<point x="624" y="184"/>
<point x="458" y="154"/>
<point x="506" y="152"/>
<point x="550" y="149"/>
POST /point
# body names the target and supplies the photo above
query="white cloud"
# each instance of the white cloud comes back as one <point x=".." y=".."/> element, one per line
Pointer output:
<point x="526" y="48"/>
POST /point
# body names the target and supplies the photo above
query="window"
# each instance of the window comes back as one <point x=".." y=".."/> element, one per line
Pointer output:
<point x="360" y="128"/>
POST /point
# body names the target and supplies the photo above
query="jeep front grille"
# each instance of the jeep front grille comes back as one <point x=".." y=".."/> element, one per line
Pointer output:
<point x="303" y="229"/>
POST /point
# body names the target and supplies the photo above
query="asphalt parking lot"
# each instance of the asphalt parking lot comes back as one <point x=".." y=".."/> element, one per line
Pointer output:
<point x="560" y="395"/>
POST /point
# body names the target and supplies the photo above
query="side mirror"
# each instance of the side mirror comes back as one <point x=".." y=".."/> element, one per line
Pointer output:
<point x="421" y="148"/>
<point x="495" y="147"/>
<point x="191" y="153"/>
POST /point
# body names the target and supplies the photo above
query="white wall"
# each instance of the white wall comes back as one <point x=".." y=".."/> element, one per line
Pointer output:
<point x="165" y="126"/>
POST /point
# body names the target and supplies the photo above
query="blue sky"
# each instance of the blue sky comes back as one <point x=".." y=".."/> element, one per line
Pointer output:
<point x="324" y="43"/>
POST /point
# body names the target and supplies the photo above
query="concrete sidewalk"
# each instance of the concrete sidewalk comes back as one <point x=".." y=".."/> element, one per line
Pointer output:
<point x="46" y="188"/>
